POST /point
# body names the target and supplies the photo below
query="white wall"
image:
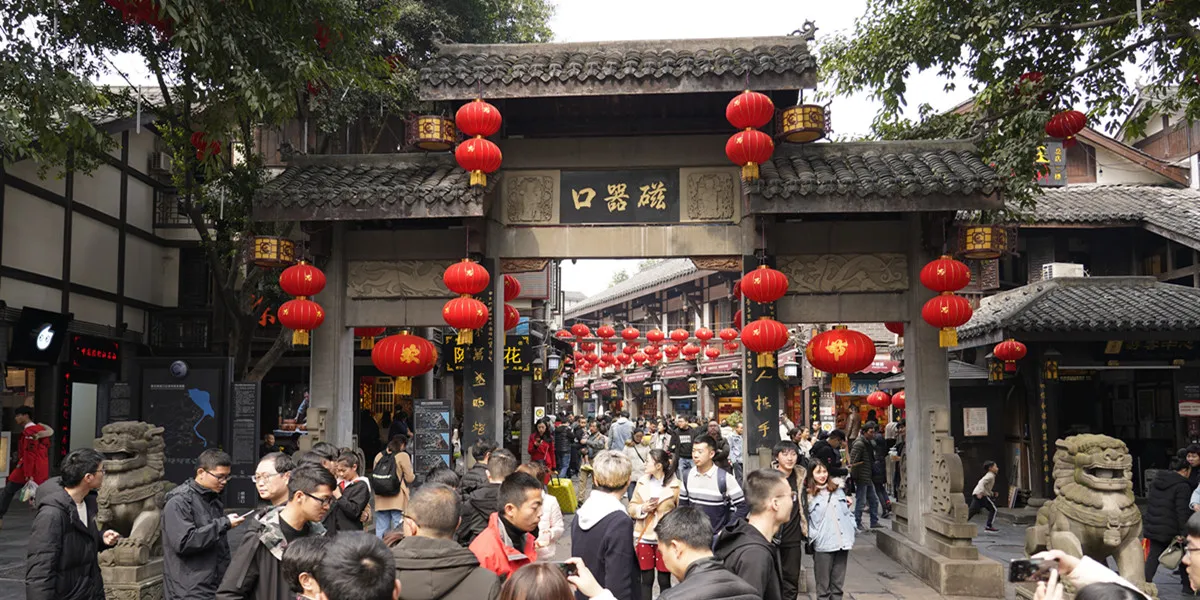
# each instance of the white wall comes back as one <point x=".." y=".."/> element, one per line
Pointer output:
<point x="19" y="293"/>
<point x="1111" y="168"/>
<point x="83" y="415"/>
<point x="32" y="233"/>
<point x="94" y="254"/>
<point x="93" y="310"/>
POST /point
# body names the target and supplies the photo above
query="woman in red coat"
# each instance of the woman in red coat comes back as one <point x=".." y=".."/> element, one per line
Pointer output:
<point x="541" y="445"/>
<point x="33" y="457"/>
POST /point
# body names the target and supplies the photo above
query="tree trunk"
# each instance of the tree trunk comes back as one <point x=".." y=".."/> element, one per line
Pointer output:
<point x="272" y="356"/>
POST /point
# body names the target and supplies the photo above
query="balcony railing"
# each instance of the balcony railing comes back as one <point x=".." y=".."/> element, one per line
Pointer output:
<point x="182" y="329"/>
<point x="168" y="212"/>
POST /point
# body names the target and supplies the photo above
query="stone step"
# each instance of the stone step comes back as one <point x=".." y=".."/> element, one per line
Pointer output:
<point x="1017" y="516"/>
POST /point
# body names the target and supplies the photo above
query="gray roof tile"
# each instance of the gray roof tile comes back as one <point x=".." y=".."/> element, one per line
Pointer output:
<point x="663" y="272"/>
<point x="1089" y="304"/>
<point x="1165" y="210"/>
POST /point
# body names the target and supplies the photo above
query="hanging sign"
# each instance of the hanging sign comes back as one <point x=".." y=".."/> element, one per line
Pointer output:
<point x="635" y="196"/>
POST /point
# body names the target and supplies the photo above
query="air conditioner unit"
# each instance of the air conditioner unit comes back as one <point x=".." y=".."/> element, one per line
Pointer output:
<point x="1059" y="270"/>
<point x="160" y="162"/>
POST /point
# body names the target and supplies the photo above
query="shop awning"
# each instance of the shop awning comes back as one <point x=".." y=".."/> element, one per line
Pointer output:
<point x="637" y="376"/>
<point x="724" y="387"/>
<point x="882" y="364"/>
<point x="961" y="373"/>
<point x="724" y="364"/>
<point x="676" y="371"/>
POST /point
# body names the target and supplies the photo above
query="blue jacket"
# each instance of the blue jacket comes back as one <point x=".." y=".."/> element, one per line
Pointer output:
<point x="831" y="527"/>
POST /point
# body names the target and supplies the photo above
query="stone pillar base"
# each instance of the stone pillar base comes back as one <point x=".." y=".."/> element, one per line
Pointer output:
<point x="980" y="578"/>
<point x="144" y="582"/>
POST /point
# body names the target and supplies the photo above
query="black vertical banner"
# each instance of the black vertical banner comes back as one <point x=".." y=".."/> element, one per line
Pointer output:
<point x="479" y="414"/>
<point x="762" y="389"/>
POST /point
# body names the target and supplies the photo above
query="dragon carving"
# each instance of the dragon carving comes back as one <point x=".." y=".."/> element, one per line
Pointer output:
<point x="132" y="496"/>
<point x="1093" y="513"/>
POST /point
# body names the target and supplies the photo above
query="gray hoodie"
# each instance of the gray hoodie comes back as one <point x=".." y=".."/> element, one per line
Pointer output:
<point x="620" y="432"/>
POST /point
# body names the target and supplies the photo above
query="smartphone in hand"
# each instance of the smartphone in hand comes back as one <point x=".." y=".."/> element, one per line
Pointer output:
<point x="1024" y="570"/>
<point x="568" y="569"/>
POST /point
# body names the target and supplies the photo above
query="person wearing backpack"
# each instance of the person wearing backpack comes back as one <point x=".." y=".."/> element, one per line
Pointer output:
<point x="710" y="488"/>
<point x="390" y="478"/>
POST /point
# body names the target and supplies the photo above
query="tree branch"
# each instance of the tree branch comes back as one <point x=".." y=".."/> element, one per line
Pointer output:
<point x="1083" y="25"/>
<point x="1118" y="54"/>
<point x="268" y="359"/>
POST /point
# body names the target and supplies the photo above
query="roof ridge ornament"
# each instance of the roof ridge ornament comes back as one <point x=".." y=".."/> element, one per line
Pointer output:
<point x="808" y="31"/>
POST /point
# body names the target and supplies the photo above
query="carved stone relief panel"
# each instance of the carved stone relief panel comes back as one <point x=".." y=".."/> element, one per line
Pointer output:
<point x="530" y="197"/>
<point x="718" y="263"/>
<point x="836" y="273"/>
<point x="712" y="194"/>
<point x="396" y="279"/>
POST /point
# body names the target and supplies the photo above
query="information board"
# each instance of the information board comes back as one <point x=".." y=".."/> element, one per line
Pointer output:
<point x="431" y="445"/>
<point x="243" y="446"/>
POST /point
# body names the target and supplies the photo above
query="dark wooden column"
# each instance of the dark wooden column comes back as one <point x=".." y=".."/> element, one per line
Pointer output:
<point x="479" y="410"/>
<point x="763" y="391"/>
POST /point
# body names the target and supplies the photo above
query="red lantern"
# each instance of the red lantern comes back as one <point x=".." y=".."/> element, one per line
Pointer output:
<point x="737" y="320"/>
<point x="764" y="284"/>
<point x="748" y="149"/>
<point x="840" y="351"/>
<point x="512" y="288"/>
<point x="605" y="331"/>
<point x="1069" y="141"/>
<point x="879" y="399"/>
<point x="466" y="277"/>
<point x="728" y="334"/>
<point x="947" y="312"/>
<point x="898" y="400"/>
<point x="580" y="330"/>
<point x="608" y="347"/>
<point x="630" y="334"/>
<point x="640" y="357"/>
<point x="591" y="357"/>
<point x="1066" y="124"/>
<point x="302" y="280"/>
<point x="465" y="314"/>
<point x="671" y="352"/>
<point x="732" y="346"/>
<point x="737" y="289"/>
<point x="690" y="351"/>
<point x="1010" y="351"/>
<point x="679" y="335"/>
<point x="653" y="351"/>
<point x="608" y="359"/>
<point x="750" y="109"/>
<point x="704" y="334"/>
<point x="655" y="336"/>
<point x="712" y="352"/>
<point x="512" y="317"/>
<point x="563" y="334"/>
<point x="587" y="346"/>
<point x="404" y="356"/>
<point x="302" y="316"/>
<point x="629" y="350"/>
<point x="1030" y="81"/>
<point x="479" y="156"/>
<point x="368" y="335"/>
<point x="945" y="275"/>
<point x="895" y="327"/>
<point x="624" y="359"/>
<point x="765" y="336"/>
<point x="478" y="118"/>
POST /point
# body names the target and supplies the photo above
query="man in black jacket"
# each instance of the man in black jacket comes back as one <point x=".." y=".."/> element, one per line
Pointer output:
<point x="477" y="508"/>
<point x="793" y="534"/>
<point x="826" y="451"/>
<point x="476" y="477"/>
<point x="194" y="525"/>
<point x="745" y="546"/>
<point x="434" y="566"/>
<point x="685" y="540"/>
<point x="603" y="530"/>
<point x="563" y="438"/>
<point x="62" y="561"/>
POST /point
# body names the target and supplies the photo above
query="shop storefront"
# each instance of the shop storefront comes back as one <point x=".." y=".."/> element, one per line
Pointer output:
<point x="640" y="393"/>
<point x="681" y="388"/>
<point x="723" y="379"/>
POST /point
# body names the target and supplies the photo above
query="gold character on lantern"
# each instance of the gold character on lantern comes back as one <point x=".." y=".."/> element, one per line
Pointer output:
<point x="654" y="196"/>
<point x="583" y="198"/>
<point x="410" y="354"/>
<point x="837" y="348"/>
<point x="617" y="199"/>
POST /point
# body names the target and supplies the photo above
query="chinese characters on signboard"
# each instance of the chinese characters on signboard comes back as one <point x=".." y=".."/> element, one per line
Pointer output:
<point x="518" y="354"/>
<point x="1052" y="157"/>
<point x="636" y="196"/>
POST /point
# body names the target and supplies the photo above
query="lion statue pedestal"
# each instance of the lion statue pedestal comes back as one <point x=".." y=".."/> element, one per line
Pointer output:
<point x="1093" y="512"/>
<point x="131" y="502"/>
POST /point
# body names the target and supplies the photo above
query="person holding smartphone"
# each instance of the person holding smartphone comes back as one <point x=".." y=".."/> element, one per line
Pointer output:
<point x="195" y="527"/>
<point x="655" y="495"/>
<point x="554" y="581"/>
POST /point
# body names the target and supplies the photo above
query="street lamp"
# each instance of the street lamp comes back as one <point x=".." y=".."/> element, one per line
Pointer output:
<point x="553" y="360"/>
<point x="791" y="369"/>
<point x="656" y="386"/>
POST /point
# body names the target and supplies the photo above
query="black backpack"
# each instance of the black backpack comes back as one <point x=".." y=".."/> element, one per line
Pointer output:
<point x="384" y="481"/>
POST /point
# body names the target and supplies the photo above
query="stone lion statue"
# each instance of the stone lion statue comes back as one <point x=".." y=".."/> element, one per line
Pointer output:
<point x="132" y="497"/>
<point x="1093" y="513"/>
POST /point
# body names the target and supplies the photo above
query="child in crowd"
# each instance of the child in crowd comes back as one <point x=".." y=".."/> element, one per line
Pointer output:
<point x="353" y="495"/>
<point x="982" y="495"/>
<point x="300" y="561"/>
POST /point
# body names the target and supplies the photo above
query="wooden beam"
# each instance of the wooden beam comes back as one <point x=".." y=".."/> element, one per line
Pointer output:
<point x="1191" y="270"/>
<point x="75" y="288"/>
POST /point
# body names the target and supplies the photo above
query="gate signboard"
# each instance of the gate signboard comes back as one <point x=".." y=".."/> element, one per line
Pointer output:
<point x="634" y="196"/>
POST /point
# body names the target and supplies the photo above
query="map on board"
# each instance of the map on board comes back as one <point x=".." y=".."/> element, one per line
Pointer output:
<point x="189" y="412"/>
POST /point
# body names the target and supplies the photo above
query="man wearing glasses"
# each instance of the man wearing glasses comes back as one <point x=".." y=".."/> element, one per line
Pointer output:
<point x="271" y="478"/>
<point x="257" y="570"/>
<point x="195" y="544"/>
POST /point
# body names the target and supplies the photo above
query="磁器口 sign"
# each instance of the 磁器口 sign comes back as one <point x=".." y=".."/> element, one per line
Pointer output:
<point x="634" y="196"/>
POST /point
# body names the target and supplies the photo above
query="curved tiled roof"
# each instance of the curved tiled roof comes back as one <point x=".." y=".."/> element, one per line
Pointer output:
<point x="1088" y="304"/>
<point x="882" y="169"/>
<point x="668" y="270"/>
<point x="1162" y="209"/>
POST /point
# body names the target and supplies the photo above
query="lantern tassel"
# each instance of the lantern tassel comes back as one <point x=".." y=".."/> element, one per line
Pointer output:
<point x="750" y="171"/>
<point x="766" y="359"/>
<point x="299" y="337"/>
<point x="948" y="337"/>
<point x="403" y="386"/>
<point x="466" y="337"/>
<point x="840" y="384"/>
<point x="1010" y="366"/>
<point x="367" y="342"/>
<point x="478" y="178"/>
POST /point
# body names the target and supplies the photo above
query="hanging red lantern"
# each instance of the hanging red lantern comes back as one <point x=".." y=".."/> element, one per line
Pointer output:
<point x="879" y="399"/>
<point x="655" y="336"/>
<point x="466" y="277"/>
<point x="624" y="359"/>
<point x="679" y="335"/>
<point x="690" y="351"/>
<point x="479" y="156"/>
<point x="732" y="346"/>
<point x="578" y="357"/>
<point x="653" y="351"/>
<point x="704" y="334"/>
<point x="947" y="312"/>
<point x="580" y="330"/>
<point x="367" y="336"/>
<point x="605" y="332"/>
<point x="764" y="284"/>
<point x="737" y="320"/>
<point x="404" y="356"/>
<point x="629" y="349"/>
<point x="630" y="334"/>
<point x="748" y="149"/>
<point x="898" y="400"/>
<point x="1066" y="124"/>
<point x="728" y="334"/>
<point x="608" y="347"/>
<point x="737" y="289"/>
<point x="749" y="109"/>
<point x="945" y="275"/>
<point x="512" y="317"/>
<point x="1010" y="351"/>
<point x="608" y="359"/>
<point x="896" y="327"/>
<point x="301" y="316"/>
<point x="563" y="334"/>
<point x="712" y="352"/>
<point x="765" y="336"/>
<point x="1028" y="82"/>
<point x="478" y="118"/>
<point x="640" y="357"/>
<point x="465" y="314"/>
<point x="840" y="351"/>
<point x="587" y="346"/>
<point x="592" y="357"/>
<point x="671" y="352"/>
<point x="302" y="280"/>
<point x="512" y="288"/>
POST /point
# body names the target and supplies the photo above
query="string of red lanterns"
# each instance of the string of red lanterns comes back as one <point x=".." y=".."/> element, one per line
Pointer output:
<point x="478" y="155"/>
<point x="946" y="311"/>
<point x="749" y="147"/>
<point x="466" y="313"/>
<point x="300" y="314"/>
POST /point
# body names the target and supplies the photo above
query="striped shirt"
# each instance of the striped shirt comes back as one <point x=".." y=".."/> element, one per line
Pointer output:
<point x="703" y="491"/>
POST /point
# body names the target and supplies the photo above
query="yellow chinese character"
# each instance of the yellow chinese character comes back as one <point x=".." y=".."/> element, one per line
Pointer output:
<point x="762" y="402"/>
<point x="1041" y="156"/>
<point x="837" y="348"/>
<point x="583" y="198"/>
<point x="654" y="196"/>
<point x="479" y="379"/>
<point x="512" y="356"/>
<point x="1058" y="176"/>
<point x="460" y="354"/>
<point x="762" y="374"/>
<point x="617" y="197"/>
<point x="410" y="354"/>
<point x="763" y="428"/>
<point x="478" y="428"/>
<point x="477" y="403"/>
<point x="537" y="374"/>
<point x="479" y="354"/>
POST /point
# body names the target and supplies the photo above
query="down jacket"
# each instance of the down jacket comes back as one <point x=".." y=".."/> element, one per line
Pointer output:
<point x="195" y="545"/>
<point x="62" y="562"/>
<point x="1167" y="508"/>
